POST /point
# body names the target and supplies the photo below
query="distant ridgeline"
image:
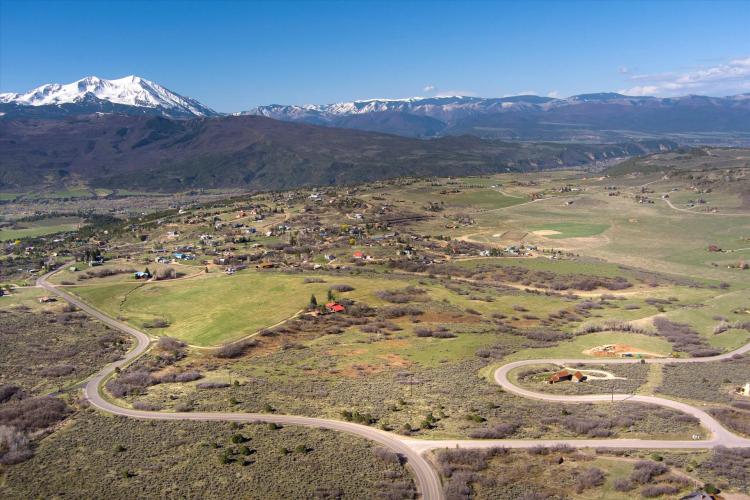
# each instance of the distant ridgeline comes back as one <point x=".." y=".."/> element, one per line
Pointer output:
<point x="254" y="152"/>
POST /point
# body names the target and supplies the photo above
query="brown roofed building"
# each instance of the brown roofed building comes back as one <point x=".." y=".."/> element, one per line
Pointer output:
<point x="560" y="376"/>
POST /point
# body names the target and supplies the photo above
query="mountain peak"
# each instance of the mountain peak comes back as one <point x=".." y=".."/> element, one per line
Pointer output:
<point x="118" y="95"/>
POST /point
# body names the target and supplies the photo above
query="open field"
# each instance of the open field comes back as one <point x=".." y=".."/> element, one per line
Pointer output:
<point x="576" y="348"/>
<point x="564" y="230"/>
<point x="481" y="199"/>
<point x="40" y="228"/>
<point x="213" y="309"/>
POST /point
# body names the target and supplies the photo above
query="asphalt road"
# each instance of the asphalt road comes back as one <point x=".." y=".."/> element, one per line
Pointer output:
<point x="427" y="479"/>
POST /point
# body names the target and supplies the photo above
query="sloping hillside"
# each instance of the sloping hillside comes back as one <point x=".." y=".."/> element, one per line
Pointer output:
<point x="254" y="152"/>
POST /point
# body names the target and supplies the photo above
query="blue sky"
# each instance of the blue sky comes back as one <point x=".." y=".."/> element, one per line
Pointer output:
<point x="235" y="55"/>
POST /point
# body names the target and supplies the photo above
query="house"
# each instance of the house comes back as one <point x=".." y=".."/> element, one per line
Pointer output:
<point x="358" y="255"/>
<point x="334" y="307"/>
<point x="142" y="275"/>
<point x="745" y="390"/>
<point x="46" y="299"/>
<point x="578" y="377"/>
<point x="714" y="248"/>
<point x="560" y="376"/>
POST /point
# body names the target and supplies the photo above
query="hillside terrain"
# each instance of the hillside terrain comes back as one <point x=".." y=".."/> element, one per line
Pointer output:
<point x="421" y="313"/>
<point x="252" y="152"/>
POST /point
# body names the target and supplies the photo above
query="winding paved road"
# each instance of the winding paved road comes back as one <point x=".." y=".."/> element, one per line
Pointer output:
<point x="427" y="479"/>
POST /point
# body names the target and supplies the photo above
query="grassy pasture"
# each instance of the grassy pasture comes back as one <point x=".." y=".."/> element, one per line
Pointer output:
<point x="487" y="199"/>
<point x="353" y="348"/>
<point x="40" y="228"/>
<point x="734" y="306"/>
<point x="577" y="266"/>
<point x="215" y="308"/>
<point x="618" y="230"/>
<point x="62" y="194"/>
<point x="25" y="297"/>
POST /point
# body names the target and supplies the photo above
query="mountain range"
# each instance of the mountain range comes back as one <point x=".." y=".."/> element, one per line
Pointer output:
<point x="603" y="117"/>
<point x="587" y="118"/>
<point x="131" y="133"/>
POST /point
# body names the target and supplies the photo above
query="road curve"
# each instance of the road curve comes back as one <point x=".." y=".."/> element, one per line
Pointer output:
<point x="427" y="479"/>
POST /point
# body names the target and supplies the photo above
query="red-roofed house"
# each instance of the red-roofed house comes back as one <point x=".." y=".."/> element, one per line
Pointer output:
<point x="334" y="307"/>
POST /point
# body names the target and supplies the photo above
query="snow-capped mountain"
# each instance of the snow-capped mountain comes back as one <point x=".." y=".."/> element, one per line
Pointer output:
<point x="598" y="117"/>
<point x="128" y="95"/>
<point x="443" y="108"/>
